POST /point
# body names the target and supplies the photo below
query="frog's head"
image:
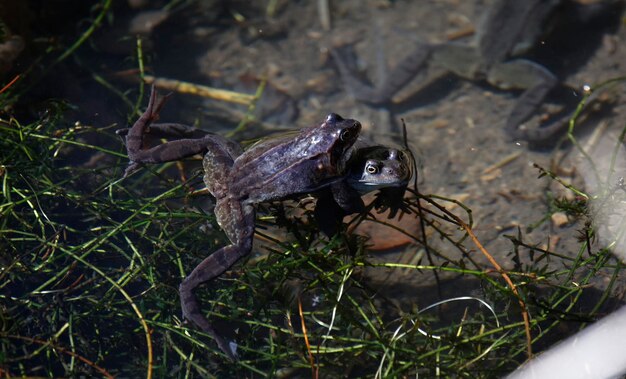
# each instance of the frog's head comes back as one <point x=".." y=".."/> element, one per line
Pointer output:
<point x="344" y="133"/>
<point x="379" y="167"/>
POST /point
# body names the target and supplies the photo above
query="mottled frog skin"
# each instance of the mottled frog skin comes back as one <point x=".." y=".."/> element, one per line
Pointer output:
<point x="368" y="168"/>
<point x="280" y="168"/>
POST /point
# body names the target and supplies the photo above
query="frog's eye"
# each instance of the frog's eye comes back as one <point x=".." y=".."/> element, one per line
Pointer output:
<point x="347" y="135"/>
<point x="371" y="168"/>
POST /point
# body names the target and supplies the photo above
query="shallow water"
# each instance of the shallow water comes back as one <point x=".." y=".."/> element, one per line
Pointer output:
<point x="455" y="126"/>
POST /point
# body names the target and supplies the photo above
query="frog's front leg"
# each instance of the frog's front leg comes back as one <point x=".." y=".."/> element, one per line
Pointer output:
<point x="392" y="199"/>
<point x="537" y="82"/>
<point x="237" y="220"/>
<point x="346" y="197"/>
<point x="333" y="204"/>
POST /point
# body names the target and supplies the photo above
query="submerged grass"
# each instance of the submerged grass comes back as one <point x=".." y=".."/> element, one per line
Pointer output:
<point x="91" y="266"/>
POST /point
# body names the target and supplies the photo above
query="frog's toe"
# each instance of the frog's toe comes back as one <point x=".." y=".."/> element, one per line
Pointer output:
<point x="122" y="132"/>
<point x="132" y="167"/>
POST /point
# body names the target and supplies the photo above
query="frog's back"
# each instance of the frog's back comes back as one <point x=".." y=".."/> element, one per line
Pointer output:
<point x="276" y="170"/>
<point x="292" y="165"/>
<point x="265" y="144"/>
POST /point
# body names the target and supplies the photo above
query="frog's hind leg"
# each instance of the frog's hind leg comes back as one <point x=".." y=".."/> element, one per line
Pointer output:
<point x="537" y="81"/>
<point x="172" y="150"/>
<point x="394" y="81"/>
<point x="135" y="135"/>
<point x="169" y="131"/>
<point x="237" y="220"/>
<point x="217" y="163"/>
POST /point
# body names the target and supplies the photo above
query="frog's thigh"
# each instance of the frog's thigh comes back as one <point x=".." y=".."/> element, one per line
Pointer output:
<point x="221" y="146"/>
<point x="218" y="162"/>
<point x="520" y="74"/>
<point x="237" y="219"/>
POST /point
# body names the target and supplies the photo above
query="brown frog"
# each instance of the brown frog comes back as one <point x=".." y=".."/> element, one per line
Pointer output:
<point x="512" y="29"/>
<point x="278" y="168"/>
<point x="369" y="168"/>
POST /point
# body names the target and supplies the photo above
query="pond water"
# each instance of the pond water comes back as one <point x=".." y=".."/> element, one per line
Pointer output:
<point x="458" y="128"/>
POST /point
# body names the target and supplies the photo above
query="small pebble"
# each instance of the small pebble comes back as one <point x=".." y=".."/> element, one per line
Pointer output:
<point x="559" y="219"/>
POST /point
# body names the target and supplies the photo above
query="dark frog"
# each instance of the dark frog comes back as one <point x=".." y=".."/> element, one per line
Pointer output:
<point x="513" y="33"/>
<point x="270" y="170"/>
<point x="385" y="169"/>
<point x="369" y="168"/>
<point x="378" y="167"/>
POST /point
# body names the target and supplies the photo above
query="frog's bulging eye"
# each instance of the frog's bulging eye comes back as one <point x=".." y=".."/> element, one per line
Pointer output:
<point x="371" y="168"/>
<point x="347" y="135"/>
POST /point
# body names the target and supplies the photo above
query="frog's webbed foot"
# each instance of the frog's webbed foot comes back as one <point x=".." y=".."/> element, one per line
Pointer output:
<point x="237" y="220"/>
<point x="158" y="131"/>
<point x="213" y="266"/>
<point x="402" y="74"/>
<point x="135" y="136"/>
<point x="526" y="106"/>
<point x="568" y="98"/>
<point x="392" y="199"/>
